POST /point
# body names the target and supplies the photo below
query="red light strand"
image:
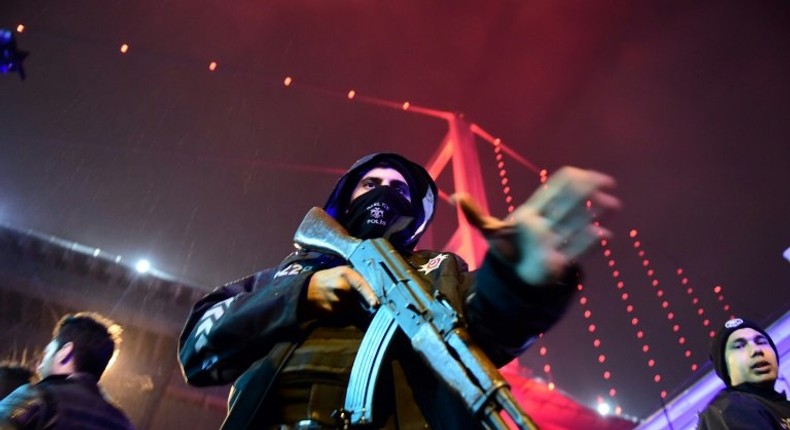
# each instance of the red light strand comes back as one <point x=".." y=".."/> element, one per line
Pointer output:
<point x="665" y="303"/>
<point x="630" y="309"/>
<point x="543" y="351"/>
<point x="718" y="291"/>
<point x="606" y="373"/>
<point x="504" y="180"/>
<point x="695" y="301"/>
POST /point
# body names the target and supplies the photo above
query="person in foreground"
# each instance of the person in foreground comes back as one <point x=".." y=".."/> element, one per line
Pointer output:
<point x="68" y="396"/>
<point x="745" y="358"/>
<point x="289" y="335"/>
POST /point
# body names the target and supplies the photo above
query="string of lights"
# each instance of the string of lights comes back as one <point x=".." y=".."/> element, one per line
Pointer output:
<point x="543" y="351"/>
<point x="666" y="305"/>
<point x="504" y="180"/>
<point x="684" y="281"/>
<point x="597" y="343"/>
<point x="630" y="309"/>
<point x="717" y="291"/>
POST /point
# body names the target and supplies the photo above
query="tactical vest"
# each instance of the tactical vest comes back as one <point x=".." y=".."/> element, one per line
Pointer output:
<point x="312" y="384"/>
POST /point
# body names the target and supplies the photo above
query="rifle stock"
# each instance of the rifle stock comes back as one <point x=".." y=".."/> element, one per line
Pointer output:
<point x="320" y="231"/>
<point x="435" y="330"/>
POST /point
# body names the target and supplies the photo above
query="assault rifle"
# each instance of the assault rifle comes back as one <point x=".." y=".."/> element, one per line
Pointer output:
<point x="435" y="330"/>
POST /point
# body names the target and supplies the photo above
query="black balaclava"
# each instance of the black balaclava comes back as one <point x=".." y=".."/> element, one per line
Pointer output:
<point x="719" y="342"/>
<point x="375" y="204"/>
<point x="380" y="212"/>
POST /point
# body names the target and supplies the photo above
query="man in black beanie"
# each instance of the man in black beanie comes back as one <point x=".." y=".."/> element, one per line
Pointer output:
<point x="745" y="358"/>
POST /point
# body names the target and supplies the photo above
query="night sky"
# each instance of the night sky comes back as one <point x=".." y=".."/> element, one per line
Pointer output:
<point x="207" y="173"/>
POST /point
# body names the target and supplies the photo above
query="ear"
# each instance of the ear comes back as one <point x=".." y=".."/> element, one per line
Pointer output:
<point x="65" y="353"/>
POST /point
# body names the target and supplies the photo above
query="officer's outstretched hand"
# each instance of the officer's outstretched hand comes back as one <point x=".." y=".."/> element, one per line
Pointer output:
<point x="337" y="290"/>
<point x="552" y="228"/>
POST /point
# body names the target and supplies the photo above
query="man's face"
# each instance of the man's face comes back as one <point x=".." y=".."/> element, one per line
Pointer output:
<point x="750" y="358"/>
<point x="382" y="176"/>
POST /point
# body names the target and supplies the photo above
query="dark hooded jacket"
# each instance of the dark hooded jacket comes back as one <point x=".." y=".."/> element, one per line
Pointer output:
<point x="288" y="368"/>
<point x="746" y="407"/>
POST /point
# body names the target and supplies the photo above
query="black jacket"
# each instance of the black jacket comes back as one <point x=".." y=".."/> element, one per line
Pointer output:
<point x="253" y="325"/>
<point x="746" y="407"/>
<point x="61" y="402"/>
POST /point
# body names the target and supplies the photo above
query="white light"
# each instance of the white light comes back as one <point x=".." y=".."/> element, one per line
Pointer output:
<point x="604" y="408"/>
<point x="143" y="266"/>
<point x="787" y="254"/>
<point x="113" y="359"/>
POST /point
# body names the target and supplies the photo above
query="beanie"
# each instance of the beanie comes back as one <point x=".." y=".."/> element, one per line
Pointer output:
<point x="719" y="343"/>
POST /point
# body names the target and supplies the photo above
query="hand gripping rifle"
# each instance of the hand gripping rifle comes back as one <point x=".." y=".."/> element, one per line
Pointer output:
<point x="435" y="330"/>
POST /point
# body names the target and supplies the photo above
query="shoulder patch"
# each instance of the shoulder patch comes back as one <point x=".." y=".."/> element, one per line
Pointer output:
<point x="432" y="264"/>
<point x="291" y="270"/>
